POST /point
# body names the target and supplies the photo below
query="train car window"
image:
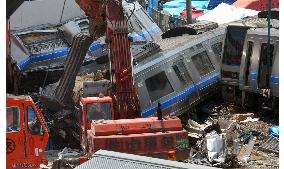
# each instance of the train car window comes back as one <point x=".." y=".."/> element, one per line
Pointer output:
<point x="202" y="63"/>
<point x="248" y="60"/>
<point x="158" y="86"/>
<point x="12" y="119"/>
<point x="233" y="46"/>
<point x="263" y="71"/>
<point x="217" y="49"/>
<point x="34" y="127"/>
<point x="181" y="72"/>
<point x="199" y="46"/>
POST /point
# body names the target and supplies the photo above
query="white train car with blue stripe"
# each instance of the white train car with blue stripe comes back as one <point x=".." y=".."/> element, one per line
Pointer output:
<point x="185" y="71"/>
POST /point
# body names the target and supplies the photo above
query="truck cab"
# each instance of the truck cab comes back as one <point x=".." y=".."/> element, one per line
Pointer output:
<point x="93" y="108"/>
<point x="26" y="133"/>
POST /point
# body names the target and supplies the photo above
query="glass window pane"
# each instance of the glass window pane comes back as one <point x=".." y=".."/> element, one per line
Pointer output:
<point x="182" y="73"/>
<point x="217" y="49"/>
<point x="12" y="119"/>
<point x="264" y="71"/>
<point x="99" y="110"/>
<point x="248" y="60"/>
<point x="233" y="46"/>
<point x="34" y="126"/>
<point x="202" y="63"/>
<point x="158" y="86"/>
<point x="264" y="54"/>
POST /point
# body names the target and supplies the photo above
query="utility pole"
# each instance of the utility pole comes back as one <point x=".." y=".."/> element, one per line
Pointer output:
<point x="268" y="41"/>
<point x="188" y="12"/>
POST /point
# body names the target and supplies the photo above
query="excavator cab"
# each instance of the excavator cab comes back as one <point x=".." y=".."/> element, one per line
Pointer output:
<point x="93" y="108"/>
<point x="26" y="133"/>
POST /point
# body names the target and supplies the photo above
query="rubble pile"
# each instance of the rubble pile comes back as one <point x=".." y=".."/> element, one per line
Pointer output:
<point x="66" y="159"/>
<point x="63" y="124"/>
<point x="233" y="138"/>
<point x="83" y="77"/>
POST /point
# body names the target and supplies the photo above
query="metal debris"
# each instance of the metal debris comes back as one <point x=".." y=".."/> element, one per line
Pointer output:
<point x="63" y="92"/>
<point x="242" y="117"/>
<point x="215" y="147"/>
<point x="248" y="151"/>
<point x="68" y="153"/>
<point x="271" y="145"/>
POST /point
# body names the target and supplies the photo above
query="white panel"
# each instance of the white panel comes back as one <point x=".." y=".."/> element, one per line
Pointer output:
<point x="33" y="13"/>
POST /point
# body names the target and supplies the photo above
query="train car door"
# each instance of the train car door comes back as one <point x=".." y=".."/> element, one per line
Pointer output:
<point x="185" y="91"/>
<point x="265" y="66"/>
<point x="274" y="77"/>
<point x="246" y="64"/>
<point x="206" y="74"/>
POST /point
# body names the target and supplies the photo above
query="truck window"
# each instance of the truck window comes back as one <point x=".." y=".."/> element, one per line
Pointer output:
<point x="233" y="47"/>
<point x="182" y="73"/>
<point x="202" y="63"/>
<point x="99" y="110"/>
<point x="158" y="86"/>
<point x="12" y="119"/>
<point x="34" y="126"/>
<point x="217" y="49"/>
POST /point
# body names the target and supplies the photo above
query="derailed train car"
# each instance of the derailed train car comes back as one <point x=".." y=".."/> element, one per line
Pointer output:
<point x="244" y="65"/>
<point x="43" y="47"/>
<point x="185" y="71"/>
<point x="259" y="74"/>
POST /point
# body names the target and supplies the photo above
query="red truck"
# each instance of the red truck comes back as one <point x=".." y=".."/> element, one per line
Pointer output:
<point x="26" y="133"/>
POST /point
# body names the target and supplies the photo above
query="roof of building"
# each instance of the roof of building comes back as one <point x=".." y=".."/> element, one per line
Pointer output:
<point x="114" y="160"/>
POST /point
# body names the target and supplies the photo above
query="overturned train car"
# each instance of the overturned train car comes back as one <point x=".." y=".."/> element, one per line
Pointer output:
<point x="246" y="71"/>
<point x="181" y="75"/>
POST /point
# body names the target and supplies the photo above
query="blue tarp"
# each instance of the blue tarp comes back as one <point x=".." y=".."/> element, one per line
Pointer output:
<point x="177" y="6"/>
<point x="214" y="3"/>
<point x="152" y="4"/>
<point x="274" y="131"/>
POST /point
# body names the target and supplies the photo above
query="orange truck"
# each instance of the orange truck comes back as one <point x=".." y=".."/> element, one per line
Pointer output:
<point x="26" y="133"/>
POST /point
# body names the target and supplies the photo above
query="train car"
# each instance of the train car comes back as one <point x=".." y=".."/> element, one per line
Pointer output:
<point x="233" y="46"/>
<point x="181" y="75"/>
<point x="244" y="63"/>
<point x="258" y="74"/>
<point x="253" y="68"/>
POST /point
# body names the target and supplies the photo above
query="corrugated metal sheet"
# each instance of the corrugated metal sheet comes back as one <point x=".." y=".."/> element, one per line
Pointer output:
<point x="114" y="160"/>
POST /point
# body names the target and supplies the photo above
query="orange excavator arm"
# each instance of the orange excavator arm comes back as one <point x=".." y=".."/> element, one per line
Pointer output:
<point x="106" y="16"/>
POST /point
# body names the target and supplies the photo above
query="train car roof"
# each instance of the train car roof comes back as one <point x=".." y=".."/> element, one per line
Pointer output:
<point x="254" y="21"/>
<point x="263" y="31"/>
<point x="174" y="45"/>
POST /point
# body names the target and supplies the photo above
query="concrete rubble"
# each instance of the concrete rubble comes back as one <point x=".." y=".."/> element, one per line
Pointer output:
<point x="245" y="136"/>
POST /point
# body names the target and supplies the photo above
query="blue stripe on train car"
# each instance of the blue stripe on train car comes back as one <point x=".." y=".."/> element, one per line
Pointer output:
<point x="64" y="51"/>
<point x="181" y="95"/>
<point x="274" y="78"/>
<point x="145" y="34"/>
<point x="52" y="55"/>
<point x="252" y="75"/>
